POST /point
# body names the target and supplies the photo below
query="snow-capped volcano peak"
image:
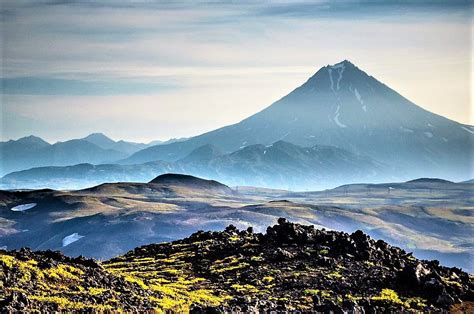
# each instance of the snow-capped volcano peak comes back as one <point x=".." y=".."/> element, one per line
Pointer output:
<point x="343" y="63"/>
<point x="342" y="106"/>
<point x="336" y="77"/>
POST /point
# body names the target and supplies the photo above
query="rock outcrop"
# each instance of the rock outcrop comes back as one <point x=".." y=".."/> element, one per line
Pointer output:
<point x="290" y="268"/>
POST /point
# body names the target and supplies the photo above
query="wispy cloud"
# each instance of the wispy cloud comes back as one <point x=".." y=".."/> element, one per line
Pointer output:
<point x="56" y="86"/>
<point x="373" y="9"/>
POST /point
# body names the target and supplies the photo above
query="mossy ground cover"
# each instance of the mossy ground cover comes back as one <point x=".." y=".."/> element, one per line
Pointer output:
<point x="53" y="284"/>
<point x="291" y="267"/>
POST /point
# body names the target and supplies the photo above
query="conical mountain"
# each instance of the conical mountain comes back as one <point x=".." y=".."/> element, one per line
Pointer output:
<point x="345" y="107"/>
<point x="105" y="142"/>
<point x="100" y="140"/>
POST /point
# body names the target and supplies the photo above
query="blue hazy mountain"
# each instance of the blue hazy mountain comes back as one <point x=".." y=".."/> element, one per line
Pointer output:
<point x="31" y="151"/>
<point x="343" y="106"/>
<point x="202" y="154"/>
<point x="285" y="165"/>
<point x="280" y="165"/>
<point x="105" y="142"/>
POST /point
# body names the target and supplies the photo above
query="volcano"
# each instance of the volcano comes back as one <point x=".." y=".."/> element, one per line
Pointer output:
<point x="343" y="106"/>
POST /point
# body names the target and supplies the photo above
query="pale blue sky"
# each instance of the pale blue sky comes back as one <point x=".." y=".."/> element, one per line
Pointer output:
<point x="144" y="70"/>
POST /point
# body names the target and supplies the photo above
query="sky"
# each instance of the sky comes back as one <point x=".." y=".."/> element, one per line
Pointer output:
<point x="148" y="70"/>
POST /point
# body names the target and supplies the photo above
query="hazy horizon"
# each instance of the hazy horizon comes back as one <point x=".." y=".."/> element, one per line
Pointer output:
<point x="74" y="68"/>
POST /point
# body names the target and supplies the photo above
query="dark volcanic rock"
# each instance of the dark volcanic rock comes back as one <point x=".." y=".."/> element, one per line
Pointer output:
<point x="290" y="268"/>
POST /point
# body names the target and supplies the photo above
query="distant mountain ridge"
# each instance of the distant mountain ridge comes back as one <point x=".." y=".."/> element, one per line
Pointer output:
<point x="285" y="165"/>
<point x="32" y="151"/>
<point x="280" y="165"/>
<point x="105" y="142"/>
<point x="204" y="153"/>
<point x="343" y="106"/>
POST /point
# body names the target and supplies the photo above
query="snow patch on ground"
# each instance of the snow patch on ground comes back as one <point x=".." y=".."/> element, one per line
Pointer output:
<point x="406" y="130"/>
<point x="336" y="118"/>
<point x="428" y="134"/>
<point x="23" y="207"/>
<point x="264" y="152"/>
<point x="364" y="107"/>
<point x="445" y="139"/>
<point x="71" y="238"/>
<point x="470" y="131"/>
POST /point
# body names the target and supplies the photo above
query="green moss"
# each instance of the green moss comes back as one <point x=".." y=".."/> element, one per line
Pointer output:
<point x="178" y="255"/>
<point x="452" y="283"/>
<point x="227" y="264"/>
<point x="322" y="293"/>
<point x="388" y="295"/>
<point x="166" y="260"/>
<point x="136" y="280"/>
<point x="246" y="288"/>
<point x="334" y="275"/>
<point x="7" y="260"/>
<point x="159" y="280"/>
<point x="257" y="259"/>
<point x="415" y="302"/>
<point x="64" y="303"/>
<point x="96" y="291"/>
<point x="353" y="298"/>
<point x="178" y="297"/>
<point x="67" y="272"/>
<point x="171" y="271"/>
<point x="268" y="279"/>
<point x="230" y="268"/>
<point x="169" y="304"/>
<point x="369" y="263"/>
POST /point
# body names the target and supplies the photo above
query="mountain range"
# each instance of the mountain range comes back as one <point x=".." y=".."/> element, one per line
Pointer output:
<point x="341" y="124"/>
<point x="281" y="164"/>
<point x="96" y="148"/>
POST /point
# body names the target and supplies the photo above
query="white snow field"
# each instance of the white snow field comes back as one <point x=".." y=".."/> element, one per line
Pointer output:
<point x="71" y="238"/>
<point x="23" y="207"/>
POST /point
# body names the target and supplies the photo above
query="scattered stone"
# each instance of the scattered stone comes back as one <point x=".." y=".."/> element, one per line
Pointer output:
<point x="290" y="268"/>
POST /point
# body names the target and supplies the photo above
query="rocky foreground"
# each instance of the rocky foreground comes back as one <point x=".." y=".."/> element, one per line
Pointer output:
<point x="291" y="267"/>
